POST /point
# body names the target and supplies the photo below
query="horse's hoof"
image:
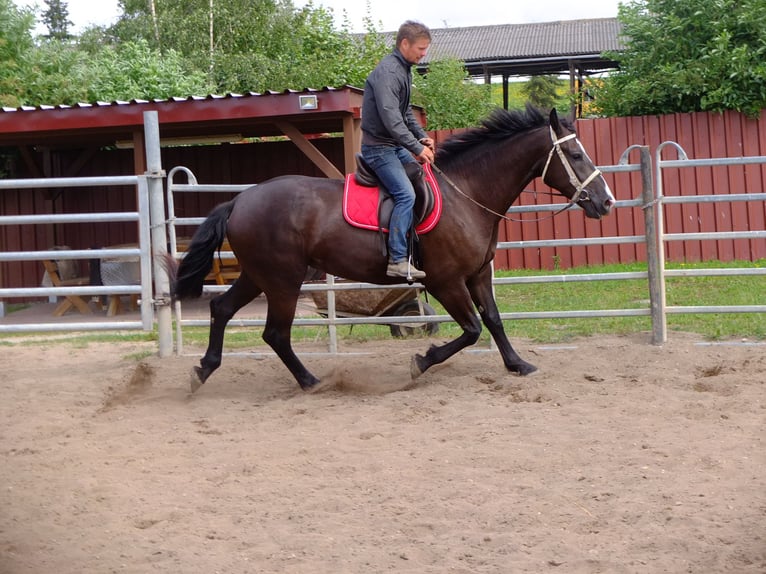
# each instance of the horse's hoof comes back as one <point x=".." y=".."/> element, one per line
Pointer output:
<point x="415" y="369"/>
<point x="196" y="380"/>
<point x="525" y="369"/>
<point x="319" y="386"/>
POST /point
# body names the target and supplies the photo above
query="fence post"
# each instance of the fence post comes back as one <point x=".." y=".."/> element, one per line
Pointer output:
<point x="155" y="175"/>
<point x="654" y="251"/>
<point x="332" y="327"/>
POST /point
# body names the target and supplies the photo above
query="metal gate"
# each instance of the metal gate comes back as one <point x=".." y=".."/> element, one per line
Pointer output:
<point x="153" y="285"/>
<point x="140" y="252"/>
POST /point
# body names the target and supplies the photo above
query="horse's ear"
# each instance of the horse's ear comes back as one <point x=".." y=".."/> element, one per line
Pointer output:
<point x="554" y="118"/>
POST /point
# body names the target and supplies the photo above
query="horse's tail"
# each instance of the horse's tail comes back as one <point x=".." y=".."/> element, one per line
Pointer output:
<point x="187" y="278"/>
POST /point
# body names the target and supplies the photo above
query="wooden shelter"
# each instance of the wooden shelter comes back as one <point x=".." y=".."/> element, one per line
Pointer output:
<point x="37" y="132"/>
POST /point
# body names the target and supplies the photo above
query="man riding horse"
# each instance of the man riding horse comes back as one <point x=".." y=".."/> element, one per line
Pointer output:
<point x="392" y="138"/>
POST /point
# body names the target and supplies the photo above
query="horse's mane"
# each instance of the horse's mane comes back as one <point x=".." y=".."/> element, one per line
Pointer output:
<point x="499" y="125"/>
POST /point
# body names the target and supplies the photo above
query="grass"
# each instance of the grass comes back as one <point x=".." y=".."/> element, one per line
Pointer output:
<point x="559" y="296"/>
<point x="634" y="294"/>
<point x="594" y="295"/>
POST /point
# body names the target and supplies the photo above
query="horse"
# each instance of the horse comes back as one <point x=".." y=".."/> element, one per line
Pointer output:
<point x="283" y="227"/>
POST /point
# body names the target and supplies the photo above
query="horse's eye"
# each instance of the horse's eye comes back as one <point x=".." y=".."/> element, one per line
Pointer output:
<point x="577" y="156"/>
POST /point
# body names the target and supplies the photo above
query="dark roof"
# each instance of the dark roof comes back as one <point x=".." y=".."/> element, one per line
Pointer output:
<point x="512" y="49"/>
<point x="528" y="49"/>
<point x="249" y="115"/>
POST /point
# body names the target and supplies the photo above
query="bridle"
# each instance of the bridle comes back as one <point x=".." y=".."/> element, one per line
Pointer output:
<point x="581" y="193"/>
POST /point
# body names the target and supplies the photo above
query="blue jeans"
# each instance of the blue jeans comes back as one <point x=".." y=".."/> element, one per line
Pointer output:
<point x="388" y="164"/>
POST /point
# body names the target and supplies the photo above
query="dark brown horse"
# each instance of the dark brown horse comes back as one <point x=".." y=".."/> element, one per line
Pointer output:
<point x="283" y="226"/>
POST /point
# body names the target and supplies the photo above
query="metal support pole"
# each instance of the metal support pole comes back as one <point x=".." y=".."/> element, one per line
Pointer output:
<point x="155" y="175"/>
<point x="332" y="327"/>
<point x="657" y="283"/>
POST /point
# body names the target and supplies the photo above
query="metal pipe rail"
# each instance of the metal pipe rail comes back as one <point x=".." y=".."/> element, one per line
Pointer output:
<point x="662" y="309"/>
<point x="141" y="252"/>
<point x="649" y="202"/>
<point x="146" y="198"/>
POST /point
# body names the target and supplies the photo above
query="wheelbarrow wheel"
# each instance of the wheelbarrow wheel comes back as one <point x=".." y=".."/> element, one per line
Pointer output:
<point x="412" y="309"/>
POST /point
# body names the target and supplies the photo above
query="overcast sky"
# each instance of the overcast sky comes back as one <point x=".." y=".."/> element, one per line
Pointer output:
<point x="388" y="14"/>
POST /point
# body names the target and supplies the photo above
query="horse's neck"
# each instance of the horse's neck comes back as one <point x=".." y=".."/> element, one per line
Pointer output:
<point x="513" y="166"/>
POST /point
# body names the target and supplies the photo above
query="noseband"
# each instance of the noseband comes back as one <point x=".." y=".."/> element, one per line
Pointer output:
<point x="581" y="193"/>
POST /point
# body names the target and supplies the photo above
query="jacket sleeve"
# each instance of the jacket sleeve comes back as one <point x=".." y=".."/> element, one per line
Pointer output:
<point x="398" y="126"/>
<point x="414" y="126"/>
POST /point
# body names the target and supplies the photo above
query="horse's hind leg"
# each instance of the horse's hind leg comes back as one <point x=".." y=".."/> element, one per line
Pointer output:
<point x="222" y="309"/>
<point x="279" y="320"/>
<point x="480" y="287"/>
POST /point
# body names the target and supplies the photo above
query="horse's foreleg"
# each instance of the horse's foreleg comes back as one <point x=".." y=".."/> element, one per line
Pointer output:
<point x="279" y="320"/>
<point x="457" y="303"/>
<point x="222" y="309"/>
<point x="480" y="287"/>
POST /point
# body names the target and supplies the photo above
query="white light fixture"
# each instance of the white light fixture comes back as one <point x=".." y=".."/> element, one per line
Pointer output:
<point x="308" y="102"/>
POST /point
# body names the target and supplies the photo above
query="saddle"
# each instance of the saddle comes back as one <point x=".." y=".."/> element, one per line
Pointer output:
<point x="425" y="199"/>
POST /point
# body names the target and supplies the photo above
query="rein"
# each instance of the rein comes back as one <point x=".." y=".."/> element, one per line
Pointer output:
<point x="579" y="186"/>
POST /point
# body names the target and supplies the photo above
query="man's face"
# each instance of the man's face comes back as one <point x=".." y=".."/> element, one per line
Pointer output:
<point x="415" y="51"/>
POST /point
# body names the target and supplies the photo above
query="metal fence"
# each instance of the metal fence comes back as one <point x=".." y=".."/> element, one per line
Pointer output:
<point x="153" y="240"/>
<point x="659" y="317"/>
<point x="650" y="202"/>
<point x="153" y="287"/>
<point x="141" y="252"/>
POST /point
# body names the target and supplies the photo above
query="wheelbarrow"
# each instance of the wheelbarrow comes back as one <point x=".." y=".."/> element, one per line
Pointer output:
<point x="381" y="303"/>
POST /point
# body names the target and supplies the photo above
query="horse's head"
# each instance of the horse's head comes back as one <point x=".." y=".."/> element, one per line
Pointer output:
<point x="570" y="171"/>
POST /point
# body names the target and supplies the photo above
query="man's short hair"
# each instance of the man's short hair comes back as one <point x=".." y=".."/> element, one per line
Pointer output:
<point x="412" y="31"/>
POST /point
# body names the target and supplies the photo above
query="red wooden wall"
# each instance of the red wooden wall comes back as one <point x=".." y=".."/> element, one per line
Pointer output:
<point x="702" y="135"/>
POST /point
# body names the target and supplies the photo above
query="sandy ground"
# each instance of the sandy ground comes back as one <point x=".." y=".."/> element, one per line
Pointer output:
<point x="616" y="457"/>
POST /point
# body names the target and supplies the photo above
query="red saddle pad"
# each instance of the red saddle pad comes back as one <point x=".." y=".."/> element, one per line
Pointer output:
<point x="360" y="204"/>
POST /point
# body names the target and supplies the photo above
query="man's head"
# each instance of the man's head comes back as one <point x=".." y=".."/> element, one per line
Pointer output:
<point x="413" y="40"/>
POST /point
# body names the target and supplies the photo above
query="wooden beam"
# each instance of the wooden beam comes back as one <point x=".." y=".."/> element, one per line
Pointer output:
<point x="139" y="152"/>
<point x="572" y="90"/>
<point x="29" y="161"/>
<point x="308" y="148"/>
<point x="82" y="159"/>
<point x="352" y="141"/>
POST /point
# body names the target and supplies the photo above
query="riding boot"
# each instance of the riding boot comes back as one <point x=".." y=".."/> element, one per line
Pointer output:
<point x="404" y="269"/>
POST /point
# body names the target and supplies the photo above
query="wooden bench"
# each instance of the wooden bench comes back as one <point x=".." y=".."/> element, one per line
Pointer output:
<point x="52" y="268"/>
<point x="225" y="269"/>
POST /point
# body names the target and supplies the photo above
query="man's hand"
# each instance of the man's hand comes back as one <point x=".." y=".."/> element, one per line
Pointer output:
<point x="427" y="155"/>
<point x="428" y="142"/>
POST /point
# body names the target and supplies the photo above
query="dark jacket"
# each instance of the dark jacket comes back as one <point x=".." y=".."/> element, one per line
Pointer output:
<point x="387" y="117"/>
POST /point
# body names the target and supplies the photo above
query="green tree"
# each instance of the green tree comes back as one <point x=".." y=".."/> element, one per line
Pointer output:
<point x="56" y="19"/>
<point x="687" y="55"/>
<point x="135" y="70"/>
<point x="15" y="41"/>
<point x="252" y="45"/>
<point x="449" y="96"/>
<point x="542" y="91"/>
<point x="59" y="72"/>
<point x="52" y="74"/>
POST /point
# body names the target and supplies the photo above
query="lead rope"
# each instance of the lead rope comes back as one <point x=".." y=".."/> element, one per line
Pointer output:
<point x="488" y="210"/>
